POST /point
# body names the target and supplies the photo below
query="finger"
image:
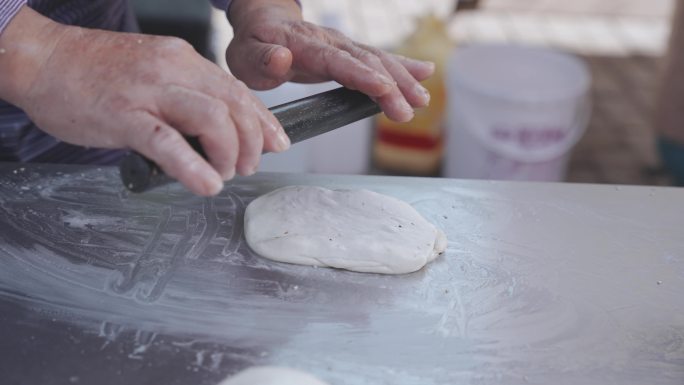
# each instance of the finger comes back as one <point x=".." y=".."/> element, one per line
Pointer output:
<point x="166" y="146"/>
<point x="324" y="60"/>
<point x="225" y="87"/>
<point x="260" y="65"/>
<point x="197" y="114"/>
<point x="394" y="104"/>
<point x="419" y="69"/>
<point x="416" y="95"/>
<point x="246" y="115"/>
<point x="275" y="138"/>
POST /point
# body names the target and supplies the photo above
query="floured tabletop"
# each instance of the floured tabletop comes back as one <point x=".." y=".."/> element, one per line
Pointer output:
<point x="540" y="283"/>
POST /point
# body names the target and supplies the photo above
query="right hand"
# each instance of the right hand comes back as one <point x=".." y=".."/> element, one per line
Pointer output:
<point x="273" y="44"/>
<point x="116" y="90"/>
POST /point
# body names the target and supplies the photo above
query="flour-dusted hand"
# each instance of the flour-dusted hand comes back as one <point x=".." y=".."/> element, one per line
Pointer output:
<point x="273" y="45"/>
<point x="115" y="90"/>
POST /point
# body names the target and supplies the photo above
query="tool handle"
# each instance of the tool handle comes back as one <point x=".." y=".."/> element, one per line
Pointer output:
<point x="302" y="119"/>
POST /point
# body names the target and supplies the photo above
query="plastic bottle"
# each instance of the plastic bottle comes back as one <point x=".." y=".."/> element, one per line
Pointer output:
<point x="416" y="147"/>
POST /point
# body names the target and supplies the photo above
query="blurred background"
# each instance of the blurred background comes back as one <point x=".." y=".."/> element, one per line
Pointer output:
<point x="529" y="90"/>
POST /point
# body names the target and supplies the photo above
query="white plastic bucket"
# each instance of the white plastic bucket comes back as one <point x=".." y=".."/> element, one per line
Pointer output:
<point x="514" y="112"/>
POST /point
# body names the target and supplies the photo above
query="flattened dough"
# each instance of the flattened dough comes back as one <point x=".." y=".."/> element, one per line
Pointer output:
<point x="357" y="230"/>
<point x="272" y="375"/>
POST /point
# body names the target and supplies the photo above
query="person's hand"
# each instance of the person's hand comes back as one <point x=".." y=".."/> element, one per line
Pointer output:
<point x="116" y="90"/>
<point x="273" y="45"/>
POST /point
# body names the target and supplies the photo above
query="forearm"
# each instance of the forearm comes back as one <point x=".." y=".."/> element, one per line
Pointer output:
<point x="25" y="44"/>
<point x="250" y="10"/>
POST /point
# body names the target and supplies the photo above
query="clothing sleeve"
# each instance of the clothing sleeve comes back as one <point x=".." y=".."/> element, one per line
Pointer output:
<point x="225" y="4"/>
<point x="9" y="9"/>
<point x="221" y="4"/>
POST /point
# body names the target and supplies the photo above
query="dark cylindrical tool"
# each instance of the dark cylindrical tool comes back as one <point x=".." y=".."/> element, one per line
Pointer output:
<point x="302" y="119"/>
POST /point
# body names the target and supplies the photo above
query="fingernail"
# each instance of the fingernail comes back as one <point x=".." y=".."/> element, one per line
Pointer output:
<point x="283" y="141"/>
<point x="230" y="174"/>
<point x="408" y="110"/>
<point x="213" y="184"/>
<point x="249" y="170"/>
<point x="407" y="107"/>
<point x="272" y="127"/>
<point x="424" y="94"/>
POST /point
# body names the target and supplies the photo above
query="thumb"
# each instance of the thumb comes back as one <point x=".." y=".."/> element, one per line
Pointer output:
<point x="260" y="65"/>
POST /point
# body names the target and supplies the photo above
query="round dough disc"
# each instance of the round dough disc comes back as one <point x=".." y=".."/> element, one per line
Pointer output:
<point x="357" y="230"/>
<point x="272" y="375"/>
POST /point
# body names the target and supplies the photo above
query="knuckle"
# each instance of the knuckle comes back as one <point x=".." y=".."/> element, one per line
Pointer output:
<point x="335" y="34"/>
<point x="378" y="56"/>
<point x="378" y="52"/>
<point x="332" y="55"/>
<point x="163" y="138"/>
<point x="240" y="87"/>
<point x="241" y="96"/>
<point x="311" y="31"/>
<point x="234" y="88"/>
<point x="247" y="129"/>
<point x="398" y="57"/>
<point x="176" y="44"/>
<point x="342" y="54"/>
<point x="374" y="50"/>
<point x="243" y="109"/>
<point x="303" y="28"/>
<point x="249" y="135"/>
<point x="244" y="103"/>
<point x="216" y="111"/>
<point x="370" y="59"/>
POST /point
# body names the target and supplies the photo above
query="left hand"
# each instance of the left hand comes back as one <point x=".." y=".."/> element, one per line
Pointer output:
<point x="273" y="45"/>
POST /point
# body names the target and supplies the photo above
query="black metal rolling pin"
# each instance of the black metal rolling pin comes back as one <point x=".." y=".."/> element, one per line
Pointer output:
<point x="302" y="119"/>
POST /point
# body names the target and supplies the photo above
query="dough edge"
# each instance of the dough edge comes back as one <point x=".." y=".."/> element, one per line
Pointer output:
<point x="272" y="375"/>
<point x="259" y="247"/>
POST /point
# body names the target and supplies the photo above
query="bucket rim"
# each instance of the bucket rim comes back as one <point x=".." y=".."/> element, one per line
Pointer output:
<point x="580" y="89"/>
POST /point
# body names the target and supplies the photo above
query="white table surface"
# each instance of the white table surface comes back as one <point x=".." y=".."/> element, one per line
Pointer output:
<point x="541" y="283"/>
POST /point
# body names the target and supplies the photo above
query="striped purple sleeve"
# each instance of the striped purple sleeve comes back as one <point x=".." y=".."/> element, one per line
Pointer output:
<point x="8" y="9"/>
